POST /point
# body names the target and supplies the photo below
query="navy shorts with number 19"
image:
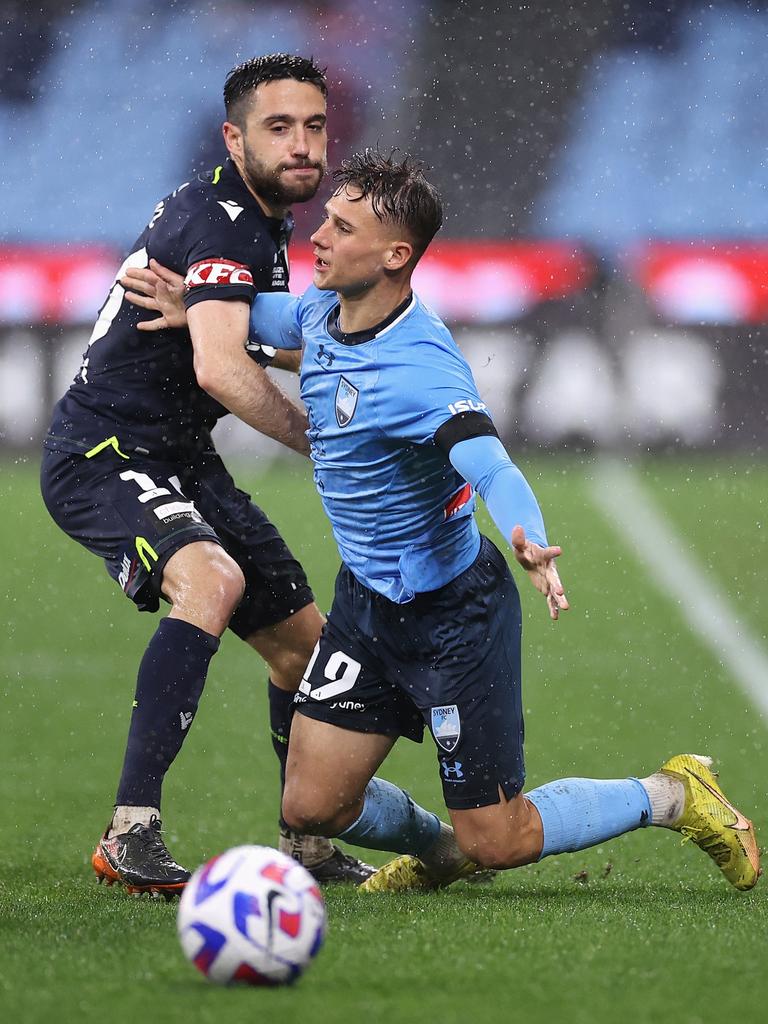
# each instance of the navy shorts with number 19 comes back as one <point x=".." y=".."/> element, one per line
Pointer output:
<point x="449" y="659"/>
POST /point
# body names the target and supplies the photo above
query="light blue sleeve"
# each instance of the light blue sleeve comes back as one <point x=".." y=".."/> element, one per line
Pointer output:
<point x="275" y="321"/>
<point x="484" y="463"/>
<point x="427" y="388"/>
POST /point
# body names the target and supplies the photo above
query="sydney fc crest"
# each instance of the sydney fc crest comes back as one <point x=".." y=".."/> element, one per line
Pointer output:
<point x="346" y="402"/>
<point x="446" y="726"/>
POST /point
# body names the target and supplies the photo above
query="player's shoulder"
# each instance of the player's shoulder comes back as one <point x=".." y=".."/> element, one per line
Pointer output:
<point x="314" y="304"/>
<point x="426" y="336"/>
<point x="219" y="197"/>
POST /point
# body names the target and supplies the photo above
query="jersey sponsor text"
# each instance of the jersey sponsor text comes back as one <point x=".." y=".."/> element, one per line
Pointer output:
<point x="208" y="272"/>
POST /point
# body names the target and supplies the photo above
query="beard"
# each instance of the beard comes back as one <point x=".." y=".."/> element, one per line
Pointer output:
<point x="266" y="181"/>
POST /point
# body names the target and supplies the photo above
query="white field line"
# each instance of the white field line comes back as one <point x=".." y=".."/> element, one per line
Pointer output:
<point x="620" y="496"/>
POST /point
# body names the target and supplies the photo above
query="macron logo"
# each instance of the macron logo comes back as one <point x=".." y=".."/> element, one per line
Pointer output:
<point x="186" y="719"/>
<point x="231" y="209"/>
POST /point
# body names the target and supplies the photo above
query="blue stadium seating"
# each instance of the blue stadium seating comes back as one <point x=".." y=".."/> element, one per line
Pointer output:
<point x="125" y="95"/>
<point x="668" y="144"/>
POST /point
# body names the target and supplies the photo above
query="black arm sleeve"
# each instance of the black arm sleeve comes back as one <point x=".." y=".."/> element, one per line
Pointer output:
<point x="461" y="427"/>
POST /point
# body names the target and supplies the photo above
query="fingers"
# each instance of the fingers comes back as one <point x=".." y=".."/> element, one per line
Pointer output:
<point x="540" y="565"/>
<point x="556" y="599"/>
<point x="521" y="543"/>
<point x="140" y="279"/>
<point x="165" y="294"/>
<point x="553" y="551"/>
<point x="169" y="276"/>
<point x="145" y="301"/>
<point x="556" y="603"/>
<point x="158" y="324"/>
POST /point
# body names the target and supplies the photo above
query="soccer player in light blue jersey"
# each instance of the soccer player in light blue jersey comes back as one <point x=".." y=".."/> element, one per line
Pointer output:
<point x="425" y="626"/>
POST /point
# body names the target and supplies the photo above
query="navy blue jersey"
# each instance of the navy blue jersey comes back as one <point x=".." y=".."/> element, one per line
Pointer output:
<point x="140" y="387"/>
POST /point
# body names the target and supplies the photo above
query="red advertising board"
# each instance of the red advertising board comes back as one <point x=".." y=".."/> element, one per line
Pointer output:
<point x="698" y="282"/>
<point x="485" y="282"/>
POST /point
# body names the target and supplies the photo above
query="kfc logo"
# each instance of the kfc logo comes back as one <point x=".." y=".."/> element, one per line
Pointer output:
<point x="208" y="272"/>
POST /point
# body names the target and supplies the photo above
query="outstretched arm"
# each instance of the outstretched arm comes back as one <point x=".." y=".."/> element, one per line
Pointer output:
<point x="161" y="290"/>
<point x="219" y="329"/>
<point x="484" y="463"/>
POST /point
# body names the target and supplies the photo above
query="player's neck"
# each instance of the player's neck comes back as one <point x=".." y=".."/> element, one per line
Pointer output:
<point x="278" y="212"/>
<point x="363" y="311"/>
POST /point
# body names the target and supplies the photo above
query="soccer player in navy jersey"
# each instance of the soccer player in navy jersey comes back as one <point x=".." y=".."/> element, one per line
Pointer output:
<point x="425" y="626"/>
<point x="130" y="470"/>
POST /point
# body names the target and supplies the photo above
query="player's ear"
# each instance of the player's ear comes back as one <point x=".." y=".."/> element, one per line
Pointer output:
<point x="398" y="255"/>
<point x="233" y="138"/>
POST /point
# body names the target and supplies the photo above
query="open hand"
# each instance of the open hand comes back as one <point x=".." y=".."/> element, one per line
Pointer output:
<point x="539" y="563"/>
<point x="159" y="289"/>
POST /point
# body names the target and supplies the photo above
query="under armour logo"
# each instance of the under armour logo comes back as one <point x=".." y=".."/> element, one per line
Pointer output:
<point x="186" y="719"/>
<point x="323" y="358"/>
<point x="452" y="771"/>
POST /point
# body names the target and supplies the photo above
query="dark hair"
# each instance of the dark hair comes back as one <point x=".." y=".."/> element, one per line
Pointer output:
<point x="398" y="190"/>
<point x="242" y="80"/>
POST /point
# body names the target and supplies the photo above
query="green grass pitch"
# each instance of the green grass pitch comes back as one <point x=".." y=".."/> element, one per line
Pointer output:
<point x="636" y="930"/>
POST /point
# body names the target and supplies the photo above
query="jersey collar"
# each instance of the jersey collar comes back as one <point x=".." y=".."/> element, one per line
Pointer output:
<point x="359" y="337"/>
<point x="230" y="176"/>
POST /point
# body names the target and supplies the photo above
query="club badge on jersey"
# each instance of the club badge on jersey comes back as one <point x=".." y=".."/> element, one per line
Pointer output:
<point x="346" y="402"/>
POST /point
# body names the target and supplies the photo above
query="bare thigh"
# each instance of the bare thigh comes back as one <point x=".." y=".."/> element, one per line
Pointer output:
<point x="287" y="646"/>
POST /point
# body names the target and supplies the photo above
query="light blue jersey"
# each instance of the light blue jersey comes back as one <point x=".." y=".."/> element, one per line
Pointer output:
<point x="401" y="514"/>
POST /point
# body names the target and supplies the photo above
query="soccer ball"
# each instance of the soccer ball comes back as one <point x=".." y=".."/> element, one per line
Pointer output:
<point x="251" y="915"/>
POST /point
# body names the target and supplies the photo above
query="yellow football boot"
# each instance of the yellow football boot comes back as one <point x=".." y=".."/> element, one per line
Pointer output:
<point x="407" y="872"/>
<point x="712" y="822"/>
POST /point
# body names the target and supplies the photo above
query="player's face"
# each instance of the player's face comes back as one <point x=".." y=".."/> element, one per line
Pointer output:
<point x="282" y="149"/>
<point x="353" y="249"/>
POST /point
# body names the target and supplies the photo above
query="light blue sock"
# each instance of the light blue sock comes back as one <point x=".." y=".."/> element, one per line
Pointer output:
<point x="577" y="813"/>
<point x="390" y="820"/>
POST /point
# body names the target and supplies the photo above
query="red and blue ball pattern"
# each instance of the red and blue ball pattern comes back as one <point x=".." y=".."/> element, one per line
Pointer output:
<point x="251" y="915"/>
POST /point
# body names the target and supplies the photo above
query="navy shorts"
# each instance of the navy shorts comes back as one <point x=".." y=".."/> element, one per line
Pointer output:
<point x="449" y="659"/>
<point x="136" y="513"/>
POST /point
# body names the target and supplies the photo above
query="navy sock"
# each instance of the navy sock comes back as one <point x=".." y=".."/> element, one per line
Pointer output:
<point x="280" y="717"/>
<point x="170" y="682"/>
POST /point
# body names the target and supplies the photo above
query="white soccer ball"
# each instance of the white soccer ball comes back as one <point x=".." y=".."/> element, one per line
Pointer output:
<point x="251" y="915"/>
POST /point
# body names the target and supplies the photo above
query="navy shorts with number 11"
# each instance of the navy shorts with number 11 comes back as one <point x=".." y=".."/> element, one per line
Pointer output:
<point x="449" y="659"/>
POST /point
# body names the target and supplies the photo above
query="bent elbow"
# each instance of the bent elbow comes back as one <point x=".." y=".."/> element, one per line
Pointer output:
<point x="206" y="375"/>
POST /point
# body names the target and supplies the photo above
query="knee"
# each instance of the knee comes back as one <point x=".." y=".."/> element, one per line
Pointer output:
<point x="300" y="815"/>
<point x="311" y="814"/>
<point x="204" y="585"/>
<point x="227" y="581"/>
<point x="208" y="577"/>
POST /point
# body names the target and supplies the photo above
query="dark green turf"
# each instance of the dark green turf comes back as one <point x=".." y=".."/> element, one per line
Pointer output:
<point x="613" y="689"/>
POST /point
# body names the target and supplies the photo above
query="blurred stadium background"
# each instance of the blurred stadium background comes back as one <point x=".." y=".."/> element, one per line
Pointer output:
<point x="604" y="261"/>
